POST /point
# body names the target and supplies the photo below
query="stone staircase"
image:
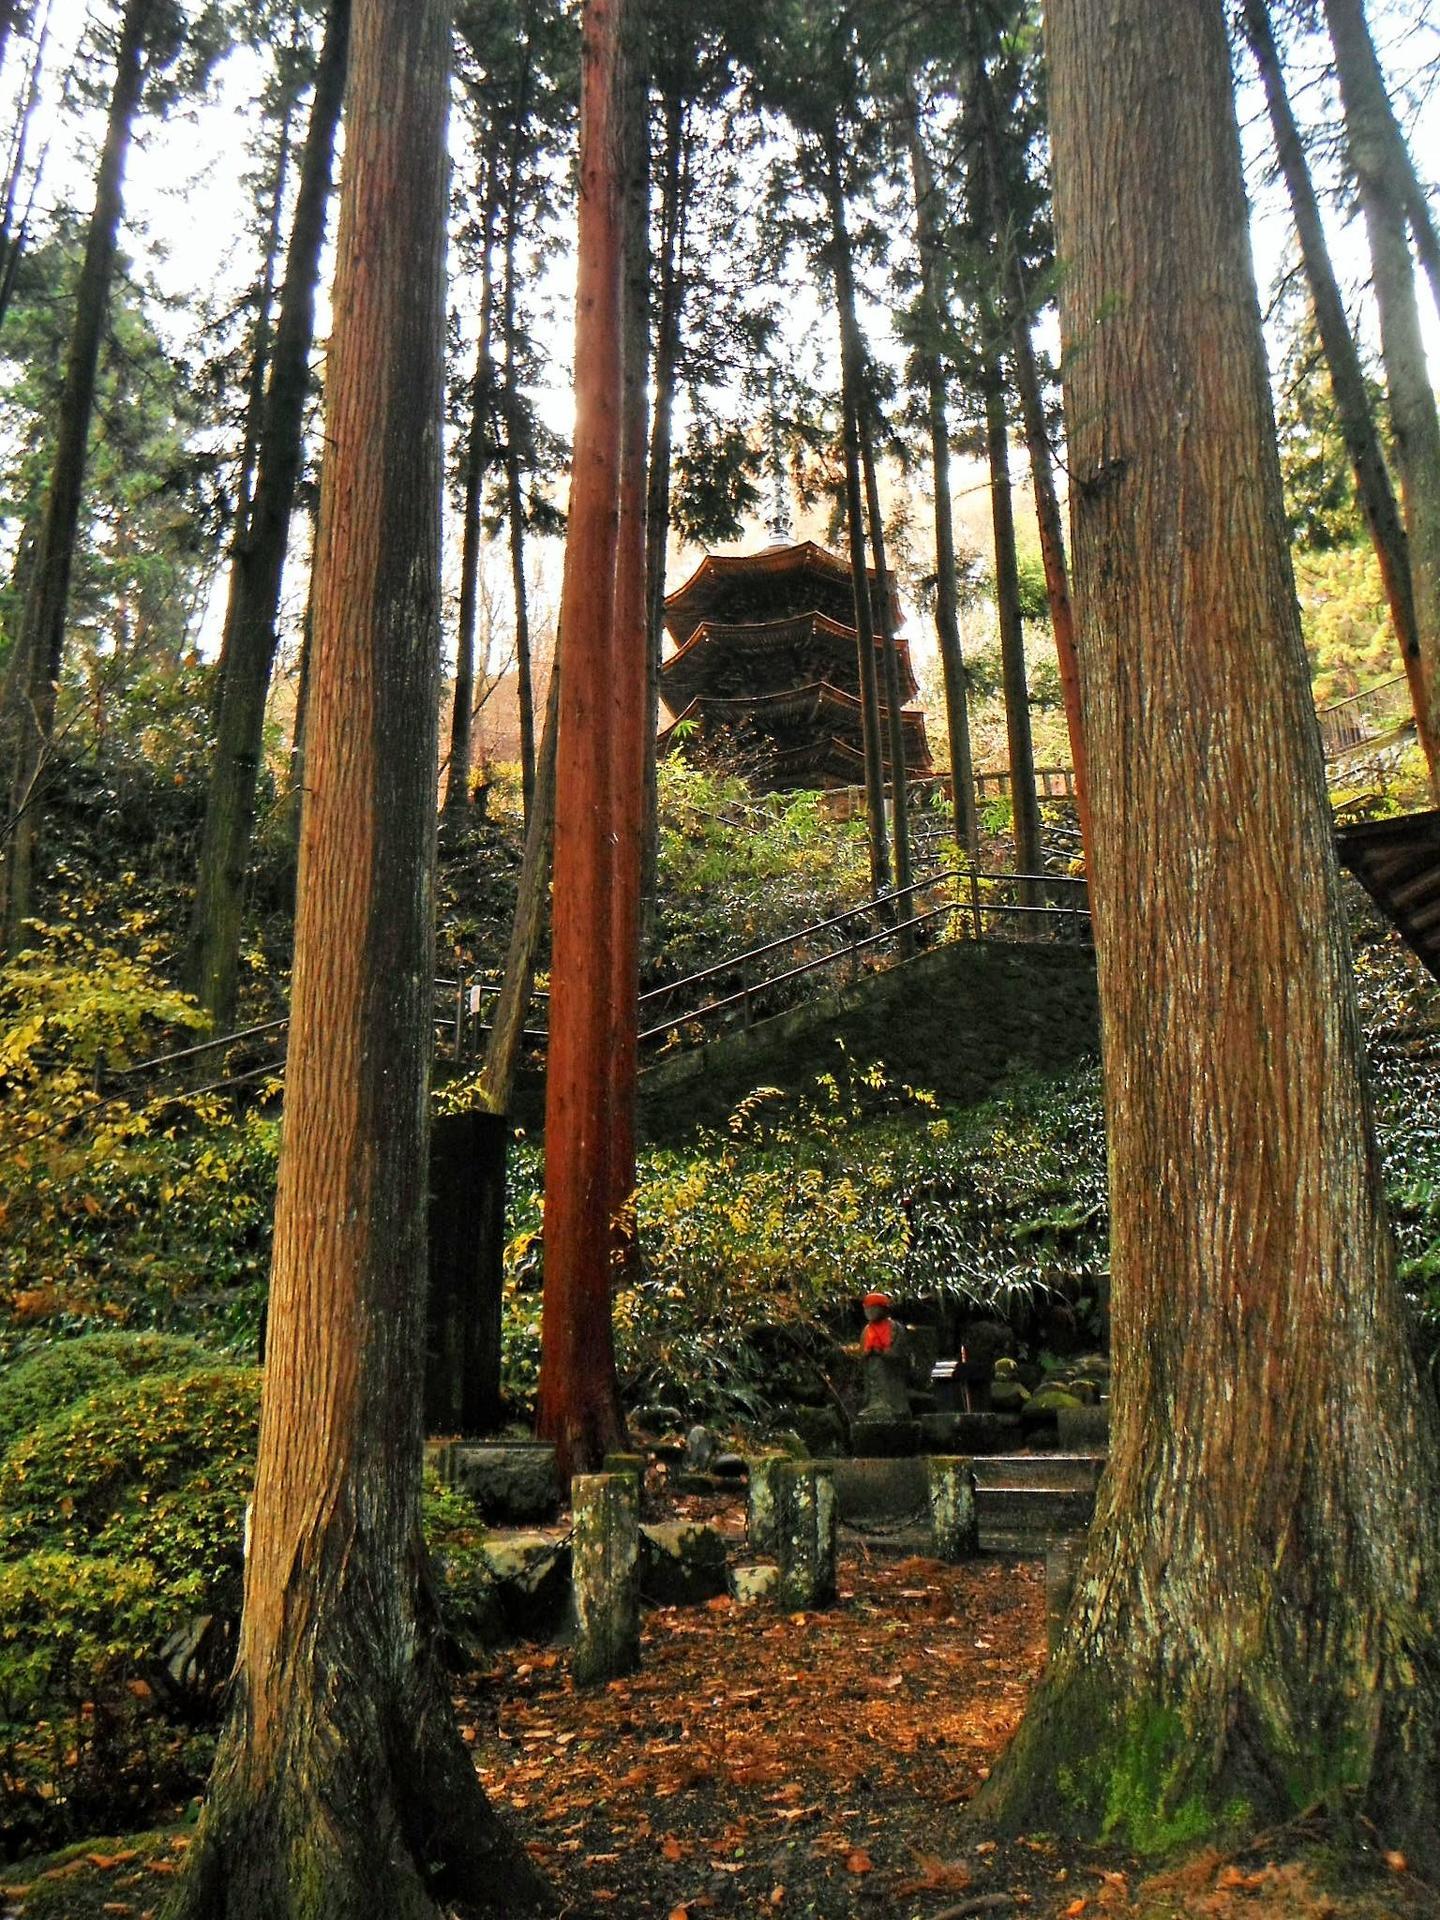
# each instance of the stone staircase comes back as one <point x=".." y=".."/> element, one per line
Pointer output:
<point x="1027" y="1503"/>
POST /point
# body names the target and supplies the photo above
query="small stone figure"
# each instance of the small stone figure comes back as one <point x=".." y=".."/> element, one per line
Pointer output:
<point x="885" y="1361"/>
<point x="699" y="1450"/>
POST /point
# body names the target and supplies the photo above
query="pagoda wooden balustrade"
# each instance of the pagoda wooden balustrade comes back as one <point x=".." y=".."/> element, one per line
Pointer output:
<point x="1363" y="718"/>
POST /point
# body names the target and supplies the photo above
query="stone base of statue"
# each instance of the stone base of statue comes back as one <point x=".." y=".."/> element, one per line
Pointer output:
<point x="884" y="1436"/>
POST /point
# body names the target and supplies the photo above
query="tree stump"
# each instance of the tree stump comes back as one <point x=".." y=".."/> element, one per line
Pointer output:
<point x="953" y="1521"/>
<point x="606" y="1573"/>
<point x="804" y="1534"/>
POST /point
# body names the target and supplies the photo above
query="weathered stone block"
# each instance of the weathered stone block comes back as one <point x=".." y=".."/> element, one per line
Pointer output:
<point x="511" y="1483"/>
<point x="753" y="1583"/>
<point x="760" y="1509"/>
<point x="888" y="1491"/>
<point x="606" y="1510"/>
<point x="1082" y="1427"/>
<point x="1062" y="1564"/>
<point x="805" y="1535"/>
<point x="874" y="1438"/>
<point x="531" y="1572"/>
<point x="953" y="1523"/>
<point x="682" y="1563"/>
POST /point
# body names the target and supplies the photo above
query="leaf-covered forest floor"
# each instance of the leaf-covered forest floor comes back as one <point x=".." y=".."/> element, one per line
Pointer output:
<point x="814" y="1764"/>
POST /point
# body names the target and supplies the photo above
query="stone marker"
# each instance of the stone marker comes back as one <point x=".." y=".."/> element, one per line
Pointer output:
<point x="952" y="1507"/>
<point x="804" y="1535"/>
<point x="606" y="1573"/>
<point x="755" y="1582"/>
<point x="760" y="1508"/>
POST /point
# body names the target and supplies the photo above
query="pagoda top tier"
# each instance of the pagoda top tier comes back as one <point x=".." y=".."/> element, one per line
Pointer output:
<point x="752" y="588"/>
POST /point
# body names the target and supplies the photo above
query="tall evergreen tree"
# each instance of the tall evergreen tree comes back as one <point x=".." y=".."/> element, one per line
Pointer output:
<point x="341" y="1785"/>
<point x="1255" y="1620"/>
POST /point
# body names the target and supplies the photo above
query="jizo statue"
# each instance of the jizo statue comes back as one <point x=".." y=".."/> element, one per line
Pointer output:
<point x="885" y="1362"/>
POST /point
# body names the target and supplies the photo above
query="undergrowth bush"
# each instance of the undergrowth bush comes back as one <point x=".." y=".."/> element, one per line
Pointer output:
<point x="111" y="1205"/>
<point x="41" y="1385"/>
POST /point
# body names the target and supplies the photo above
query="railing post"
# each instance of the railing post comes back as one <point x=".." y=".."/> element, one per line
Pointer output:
<point x="975" y="899"/>
<point x="745" y="1006"/>
<point x="459" y="1019"/>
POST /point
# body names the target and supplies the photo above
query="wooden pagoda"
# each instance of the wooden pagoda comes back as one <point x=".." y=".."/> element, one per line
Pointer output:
<point x="766" y="653"/>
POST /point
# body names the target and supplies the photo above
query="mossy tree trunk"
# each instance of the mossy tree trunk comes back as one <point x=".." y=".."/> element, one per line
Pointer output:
<point x="341" y="1786"/>
<point x="1254" y="1627"/>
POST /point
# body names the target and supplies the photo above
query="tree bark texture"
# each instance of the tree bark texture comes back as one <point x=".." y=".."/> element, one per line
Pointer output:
<point x="947" y="598"/>
<point x="29" y="730"/>
<point x="1025" y="806"/>
<point x="341" y="1786"/>
<point x="579" y="1405"/>
<point x="479" y="447"/>
<point x="259" y="565"/>
<point x="1347" y="379"/>
<point x="1370" y="137"/>
<point x="1254" y="1622"/>
<point x="852" y="376"/>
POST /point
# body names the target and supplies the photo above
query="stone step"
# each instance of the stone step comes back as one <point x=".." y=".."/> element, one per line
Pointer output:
<point x="1040" y="1472"/>
<point x="1031" y="1519"/>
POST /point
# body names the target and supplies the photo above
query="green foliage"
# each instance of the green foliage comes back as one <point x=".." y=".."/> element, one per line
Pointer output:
<point x="110" y="1205"/>
<point x="157" y="1470"/>
<point x="37" y="1388"/>
<point x="734" y="872"/>
<point x="1345" y="620"/>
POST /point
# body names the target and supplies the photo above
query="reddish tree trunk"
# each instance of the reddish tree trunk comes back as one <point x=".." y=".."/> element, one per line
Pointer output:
<point x="579" y="1406"/>
<point x="1255" y="1621"/>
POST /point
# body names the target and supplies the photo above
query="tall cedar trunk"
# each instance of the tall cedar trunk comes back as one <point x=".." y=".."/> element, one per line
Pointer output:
<point x="1347" y="379"/>
<point x="341" y="1786"/>
<point x="514" y="484"/>
<point x="1357" y="61"/>
<point x="532" y="899"/>
<point x="947" y="599"/>
<point x="852" y="374"/>
<point x="632" y="651"/>
<point x="1413" y="415"/>
<point x="675" y="180"/>
<point x="884" y="624"/>
<point x="29" y="729"/>
<point x="261" y="339"/>
<point x="1024" y="804"/>
<point x="1254" y="1624"/>
<point x="478" y="447"/>
<point x="259" y="566"/>
<point x="1037" y="442"/>
<point x="579" y="1404"/>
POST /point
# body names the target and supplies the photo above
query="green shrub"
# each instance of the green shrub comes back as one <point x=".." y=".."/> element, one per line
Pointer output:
<point x="35" y="1388"/>
<point x="80" y="1743"/>
<point x="155" y="1470"/>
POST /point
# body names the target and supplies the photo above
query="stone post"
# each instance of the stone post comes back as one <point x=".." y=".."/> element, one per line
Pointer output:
<point x="760" y="1504"/>
<point x="805" y="1534"/>
<point x="606" y="1574"/>
<point x="953" y="1523"/>
<point x="1062" y="1564"/>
